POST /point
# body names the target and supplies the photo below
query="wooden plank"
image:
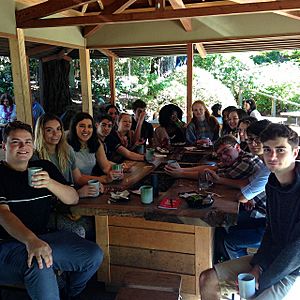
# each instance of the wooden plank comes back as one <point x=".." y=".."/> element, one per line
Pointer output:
<point x="20" y="77"/>
<point x="189" y="93"/>
<point x="141" y="223"/>
<point x="138" y="294"/>
<point x="47" y="8"/>
<point x="203" y="251"/>
<point x="153" y="260"/>
<point x="186" y="22"/>
<point x="152" y="239"/>
<point x="112" y="80"/>
<point x="153" y="281"/>
<point x="158" y="15"/>
<point x="118" y="273"/>
<point x="102" y="239"/>
<point x="85" y="76"/>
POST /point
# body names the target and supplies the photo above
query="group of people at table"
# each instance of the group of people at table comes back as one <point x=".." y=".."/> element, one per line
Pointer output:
<point x="256" y="157"/>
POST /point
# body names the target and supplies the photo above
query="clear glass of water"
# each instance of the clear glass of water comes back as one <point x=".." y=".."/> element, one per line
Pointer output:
<point x="204" y="181"/>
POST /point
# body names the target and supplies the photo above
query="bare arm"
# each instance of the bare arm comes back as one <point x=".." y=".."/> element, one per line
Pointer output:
<point x="35" y="246"/>
<point x="63" y="192"/>
<point x="129" y="154"/>
<point x="187" y="172"/>
<point x="138" y="129"/>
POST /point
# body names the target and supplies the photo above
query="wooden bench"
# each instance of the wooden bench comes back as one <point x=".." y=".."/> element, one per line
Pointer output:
<point x="141" y="294"/>
<point x="150" y="285"/>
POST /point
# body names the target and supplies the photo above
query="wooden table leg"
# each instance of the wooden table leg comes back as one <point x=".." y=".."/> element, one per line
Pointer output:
<point x="203" y="251"/>
<point x="102" y="239"/>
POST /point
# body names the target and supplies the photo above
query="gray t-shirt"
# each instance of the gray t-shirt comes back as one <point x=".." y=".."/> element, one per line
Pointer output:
<point x="70" y="166"/>
<point x="85" y="161"/>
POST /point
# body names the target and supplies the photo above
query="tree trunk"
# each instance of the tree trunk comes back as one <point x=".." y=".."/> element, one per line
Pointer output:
<point x="56" y="86"/>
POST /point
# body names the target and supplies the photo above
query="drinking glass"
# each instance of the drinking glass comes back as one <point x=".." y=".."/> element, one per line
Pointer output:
<point x="204" y="181"/>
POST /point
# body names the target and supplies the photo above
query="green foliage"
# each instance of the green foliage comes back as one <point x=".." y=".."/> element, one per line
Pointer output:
<point x="6" y="82"/>
<point x="269" y="57"/>
<point x="230" y="71"/>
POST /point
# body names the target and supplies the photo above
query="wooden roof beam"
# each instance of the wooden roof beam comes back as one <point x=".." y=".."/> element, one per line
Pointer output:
<point x="288" y="5"/>
<point x="293" y="15"/>
<point x="201" y="50"/>
<point x="186" y="22"/>
<point x="107" y="52"/>
<point x="39" y="49"/>
<point x="115" y="8"/>
<point x="47" y="8"/>
<point x="63" y="54"/>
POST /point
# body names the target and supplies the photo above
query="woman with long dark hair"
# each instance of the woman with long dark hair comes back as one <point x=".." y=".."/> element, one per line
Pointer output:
<point x="250" y="107"/>
<point x="171" y="129"/>
<point x="88" y="151"/>
<point x="7" y="109"/>
<point x="203" y="126"/>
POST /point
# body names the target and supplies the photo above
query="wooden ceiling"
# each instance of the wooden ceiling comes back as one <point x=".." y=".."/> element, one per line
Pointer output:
<point x="92" y="15"/>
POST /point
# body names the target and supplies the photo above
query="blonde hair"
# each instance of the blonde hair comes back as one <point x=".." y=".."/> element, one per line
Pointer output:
<point x="62" y="148"/>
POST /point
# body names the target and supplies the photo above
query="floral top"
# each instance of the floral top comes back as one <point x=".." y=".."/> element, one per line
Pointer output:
<point x="7" y="114"/>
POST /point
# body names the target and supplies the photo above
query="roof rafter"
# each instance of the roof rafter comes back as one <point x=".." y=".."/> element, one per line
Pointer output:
<point x="293" y="15"/>
<point x="47" y="8"/>
<point x="115" y="8"/>
<point x="157" y="15"/>
<point x="201" y="50"/>
<point x="186" y="22"/>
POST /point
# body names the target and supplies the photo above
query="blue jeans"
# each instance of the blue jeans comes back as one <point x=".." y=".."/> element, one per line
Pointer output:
<point x="76" y="256"/>
<point x="247" y="233"/>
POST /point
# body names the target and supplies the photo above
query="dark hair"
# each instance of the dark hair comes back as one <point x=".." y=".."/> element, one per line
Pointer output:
<point x="252" y="104"/>
<point x="166" y="112"/>
<point x="240" y="112"/>
<point x="138" y="104"/>
<point x="8" y="97"/>
<point x="274" y="131"/>
<point x="108" y="107"/>
<point x="247" y="120"/>
<point x="215" y="109"/>
<point x="228" y="109"/>
<point x="101" y="117"/>
<point x="258" y="127"/>
<point x="92" y="143"/>
<point x="225" y="140"/>
<point x="13" y="126"/>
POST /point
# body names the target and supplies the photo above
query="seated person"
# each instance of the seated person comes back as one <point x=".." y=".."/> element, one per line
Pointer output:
<point x="203" y="126"/>
<point x="225" y="126"/>
<point x="233" y="120"/>
<point x="242" y="131"/>
<point x="88" y="152"/>
<point x="234" y="164"/>
<point x="143" y="129"/>
<point x="116" y="143"/>
<point x="171" y="130"/>
<point x="276" y="264"/>
<point x="30" y="255"/>
<point x="251" y="220"/>
<point x="113" y="112"/>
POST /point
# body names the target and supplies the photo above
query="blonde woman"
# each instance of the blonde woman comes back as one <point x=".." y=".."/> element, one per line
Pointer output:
<point x="203" y="126"/>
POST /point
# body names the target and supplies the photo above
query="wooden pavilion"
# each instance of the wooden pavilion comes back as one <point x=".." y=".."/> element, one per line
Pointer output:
<point x="59" y="29"/>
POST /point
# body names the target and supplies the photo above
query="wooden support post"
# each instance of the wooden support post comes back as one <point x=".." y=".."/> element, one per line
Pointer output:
<point x="189" y="94"/>
<point x="85" y="77"/>
<point x="20" y="77"/>
<point x="112" y="80"/>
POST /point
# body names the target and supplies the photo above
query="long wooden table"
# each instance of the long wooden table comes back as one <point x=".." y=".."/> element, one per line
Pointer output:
<point x="134" y="236"/>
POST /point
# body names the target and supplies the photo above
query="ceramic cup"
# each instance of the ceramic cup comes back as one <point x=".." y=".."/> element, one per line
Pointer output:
<point x="117" y="172"/>
<point x="149" y="154"/>
<point x="32" y="171"/>
<point x="173" y="163"/>
<point x="95" y="183"/>
<point x="246" y="285"/>
<point x="146" y="194"/>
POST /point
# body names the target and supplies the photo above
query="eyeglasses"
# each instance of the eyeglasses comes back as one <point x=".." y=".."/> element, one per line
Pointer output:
<point x="251" y="140"/>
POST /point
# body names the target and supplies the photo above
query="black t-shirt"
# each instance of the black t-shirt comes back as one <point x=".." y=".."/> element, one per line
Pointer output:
<point x="112" y="143"/>
<point x="146" y="131"/>
<point x="32" y="206"/>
